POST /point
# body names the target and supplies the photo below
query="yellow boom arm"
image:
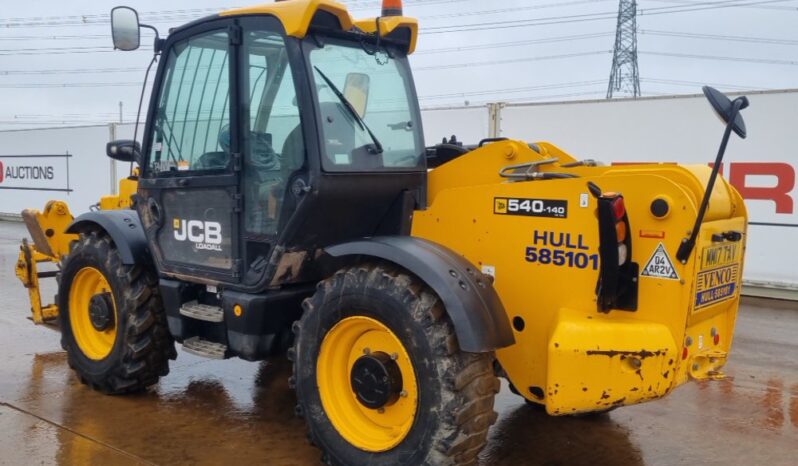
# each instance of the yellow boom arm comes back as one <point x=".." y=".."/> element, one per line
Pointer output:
<point x="51" y="243"/>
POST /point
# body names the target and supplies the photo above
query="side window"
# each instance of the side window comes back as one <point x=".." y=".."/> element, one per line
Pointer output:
<point x="192" y="121"/>
<point x="258" y="77"/>
<point x="383" y="109"/>
<point x="274" y="146"/>
<point x="284" y="123"/>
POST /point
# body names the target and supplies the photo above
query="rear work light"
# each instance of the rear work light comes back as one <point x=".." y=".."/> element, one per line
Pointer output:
<point x="617" y="282"/>
<point x="623" y="254"/>
<point x="391" y="7"/>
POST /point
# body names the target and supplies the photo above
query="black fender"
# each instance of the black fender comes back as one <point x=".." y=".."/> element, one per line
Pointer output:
<point x="125" y="229"/>
<point x="479" y="318"/>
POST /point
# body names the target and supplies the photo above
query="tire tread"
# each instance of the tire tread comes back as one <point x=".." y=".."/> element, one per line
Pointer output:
<point x="469" y="381"/>
<point x="148" y="345"/>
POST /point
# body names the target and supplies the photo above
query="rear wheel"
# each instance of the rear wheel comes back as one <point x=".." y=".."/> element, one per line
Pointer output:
<point x="113" y="325"/>
<point x="380" y="378"/>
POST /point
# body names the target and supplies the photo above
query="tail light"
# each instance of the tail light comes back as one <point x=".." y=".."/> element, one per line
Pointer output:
<point x="618" y="206"/>
<point x="391" y="7"/>
<point x="617" y="282"/>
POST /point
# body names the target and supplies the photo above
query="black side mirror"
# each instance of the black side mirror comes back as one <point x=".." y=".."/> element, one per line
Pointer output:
<point x="729" y="113"/>
<point x="124" y="150"/>
<point x="724" y="108"/>
<point x="125" y="28"/>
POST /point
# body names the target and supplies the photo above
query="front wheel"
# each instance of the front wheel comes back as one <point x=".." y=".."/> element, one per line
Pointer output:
<point x="380" y="377"/>
<point x="113" y="324"/>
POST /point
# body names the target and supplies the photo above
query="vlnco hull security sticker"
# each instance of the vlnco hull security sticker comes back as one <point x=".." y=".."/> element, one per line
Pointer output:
<point x="719" y="276"/>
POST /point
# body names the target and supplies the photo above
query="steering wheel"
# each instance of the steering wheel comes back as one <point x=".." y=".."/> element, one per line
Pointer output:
<point x="262" y="157"/>
<point x="262" y="154"/>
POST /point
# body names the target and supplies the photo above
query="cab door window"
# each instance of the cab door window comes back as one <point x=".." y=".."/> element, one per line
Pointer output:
<point x="192" y="130"/>
<point x="273" y="146"/>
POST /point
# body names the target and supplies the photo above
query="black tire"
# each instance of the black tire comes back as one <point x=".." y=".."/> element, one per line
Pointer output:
<point x="455" y="389"/>
<point x="143" y="344"/>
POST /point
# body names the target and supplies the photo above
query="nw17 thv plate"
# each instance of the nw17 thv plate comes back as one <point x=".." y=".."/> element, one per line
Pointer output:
<point x="719" y="276"/>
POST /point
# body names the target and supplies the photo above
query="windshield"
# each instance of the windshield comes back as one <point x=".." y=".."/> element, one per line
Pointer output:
<point x="369" y="115"/>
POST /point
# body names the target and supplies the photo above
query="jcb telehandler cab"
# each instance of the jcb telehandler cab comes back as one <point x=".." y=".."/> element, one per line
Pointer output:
<point x="283" y="204"/>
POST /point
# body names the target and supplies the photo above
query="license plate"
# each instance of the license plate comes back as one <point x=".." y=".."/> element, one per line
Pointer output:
<point x="719" y="276"/>
<point x="720" y="255"/>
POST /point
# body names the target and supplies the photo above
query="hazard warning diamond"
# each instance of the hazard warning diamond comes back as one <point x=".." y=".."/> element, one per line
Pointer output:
<point x="660" y="265"/>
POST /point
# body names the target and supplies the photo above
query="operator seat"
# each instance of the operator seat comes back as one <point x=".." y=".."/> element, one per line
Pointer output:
<point x="338" y="132"/>
<point x="293" y="153"/>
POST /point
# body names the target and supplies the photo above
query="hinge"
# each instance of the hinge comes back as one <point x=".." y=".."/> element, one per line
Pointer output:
<point x="237" y="268"/>
<point x="235" y="34"/>
<point x="237" y="202"/>
<point x="236" y="161"/>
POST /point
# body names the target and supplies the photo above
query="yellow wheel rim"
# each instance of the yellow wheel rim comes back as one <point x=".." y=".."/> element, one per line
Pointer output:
<point x="368" y="429"/>
<point x="95" y="344"/>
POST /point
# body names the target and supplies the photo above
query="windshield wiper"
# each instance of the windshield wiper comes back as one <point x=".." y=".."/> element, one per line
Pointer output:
<point x="351" y="108"/>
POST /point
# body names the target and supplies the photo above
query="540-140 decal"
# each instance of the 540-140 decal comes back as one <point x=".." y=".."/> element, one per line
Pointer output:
<point x="552" y="208"/>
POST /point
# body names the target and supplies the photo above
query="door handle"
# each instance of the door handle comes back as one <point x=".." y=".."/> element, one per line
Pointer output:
<point x="299" y="187"/>
<point x="182" y="182"/>
<point x="155" y="211"/>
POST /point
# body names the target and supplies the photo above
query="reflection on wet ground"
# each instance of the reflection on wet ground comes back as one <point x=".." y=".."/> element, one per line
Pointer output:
<point x="211" y="412"/>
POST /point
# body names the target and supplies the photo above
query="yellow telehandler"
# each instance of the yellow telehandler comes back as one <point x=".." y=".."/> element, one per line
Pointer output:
<point x="284" y="202"/>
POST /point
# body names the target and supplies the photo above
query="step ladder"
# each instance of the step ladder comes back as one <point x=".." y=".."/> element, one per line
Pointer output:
<point x="204" y="348"/>
<point x="204" y="312"/>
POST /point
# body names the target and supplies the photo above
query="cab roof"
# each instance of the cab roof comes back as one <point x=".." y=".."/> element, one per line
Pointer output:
<point x="300" y="16"/>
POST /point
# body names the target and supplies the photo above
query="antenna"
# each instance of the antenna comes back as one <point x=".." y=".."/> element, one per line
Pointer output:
<point x="624" y="77"/>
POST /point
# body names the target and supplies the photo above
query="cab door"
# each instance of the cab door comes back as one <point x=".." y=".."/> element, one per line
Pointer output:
<point x="274" y="157"/>
<point x="190" y="200"/>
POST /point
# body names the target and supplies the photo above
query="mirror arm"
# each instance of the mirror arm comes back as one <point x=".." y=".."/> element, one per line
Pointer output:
<point x="688" y="244"/>
<point x="158" y="43"/>
<point x="153" y="28"/>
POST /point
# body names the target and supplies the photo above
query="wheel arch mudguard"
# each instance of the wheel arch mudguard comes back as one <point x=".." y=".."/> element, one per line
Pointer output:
<point x="125" y="229"/>
<point x="479" y="318"/>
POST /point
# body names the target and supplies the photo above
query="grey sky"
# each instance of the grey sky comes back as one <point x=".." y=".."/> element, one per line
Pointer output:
<point x="35" y="40"/>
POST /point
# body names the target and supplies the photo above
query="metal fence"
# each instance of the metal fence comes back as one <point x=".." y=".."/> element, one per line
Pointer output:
<point x="70" y="164"/>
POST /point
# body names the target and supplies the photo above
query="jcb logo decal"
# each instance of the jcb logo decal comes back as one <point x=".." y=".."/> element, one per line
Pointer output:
<point x="500" y="206"/>
<point x="204" y="235"/>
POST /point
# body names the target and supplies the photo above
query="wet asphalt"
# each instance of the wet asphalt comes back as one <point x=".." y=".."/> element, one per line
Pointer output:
<point x="236" y="412"/>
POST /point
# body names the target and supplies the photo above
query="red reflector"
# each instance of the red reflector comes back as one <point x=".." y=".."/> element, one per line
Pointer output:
<point x="717" y="338"/>
<point x="618" y="208"/>
<point x="684" y="353"/>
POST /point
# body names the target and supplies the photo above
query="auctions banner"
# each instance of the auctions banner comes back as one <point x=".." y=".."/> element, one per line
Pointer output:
<point x="35" y="172"/>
